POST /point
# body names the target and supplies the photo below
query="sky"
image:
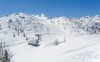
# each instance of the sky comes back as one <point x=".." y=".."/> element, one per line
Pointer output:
<point x="51" y="8"/>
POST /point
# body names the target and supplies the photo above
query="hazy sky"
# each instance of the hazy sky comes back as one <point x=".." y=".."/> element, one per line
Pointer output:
<point x="51" y="8"/>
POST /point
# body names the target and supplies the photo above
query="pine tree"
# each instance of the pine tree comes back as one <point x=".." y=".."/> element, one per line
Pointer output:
<point x="24" y="35"/>
<point x="14" y="35"/>
<point x="56" y="42"/>
<point x="64" y="39"/>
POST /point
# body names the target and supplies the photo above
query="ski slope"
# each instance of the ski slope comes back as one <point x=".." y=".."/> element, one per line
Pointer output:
<point x="84" y="48"/>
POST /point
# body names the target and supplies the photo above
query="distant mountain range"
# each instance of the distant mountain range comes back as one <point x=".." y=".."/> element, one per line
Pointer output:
<point x="41" y="24"/>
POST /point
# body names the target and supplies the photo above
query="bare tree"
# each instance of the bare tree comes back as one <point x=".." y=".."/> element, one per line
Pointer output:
<point x="5" y="54"/>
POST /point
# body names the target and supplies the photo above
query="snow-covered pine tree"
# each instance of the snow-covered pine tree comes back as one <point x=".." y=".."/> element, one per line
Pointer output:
<point x="14" y="35"/>
<point x="56" y="42"/>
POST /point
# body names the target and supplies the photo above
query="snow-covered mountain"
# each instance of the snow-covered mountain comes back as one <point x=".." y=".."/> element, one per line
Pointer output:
<point x="42" y="24"/>
<point x="61" y="39"/>
<point x="88" y="24"/>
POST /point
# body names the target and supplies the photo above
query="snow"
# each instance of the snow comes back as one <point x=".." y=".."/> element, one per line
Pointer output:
<point x="75" y="42"/>
<point x="81" y="48"/>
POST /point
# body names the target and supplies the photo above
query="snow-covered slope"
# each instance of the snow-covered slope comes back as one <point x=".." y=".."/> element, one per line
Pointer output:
<point x="21" y="23"/>
<point x="62" y="39"/>
<point x="80" y="48"/>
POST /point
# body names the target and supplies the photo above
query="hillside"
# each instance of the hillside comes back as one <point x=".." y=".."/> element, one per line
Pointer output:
<point x="61" y="39"/>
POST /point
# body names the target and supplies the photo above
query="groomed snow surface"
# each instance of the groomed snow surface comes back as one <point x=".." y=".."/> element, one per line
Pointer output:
<point x="80" y="48"/>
